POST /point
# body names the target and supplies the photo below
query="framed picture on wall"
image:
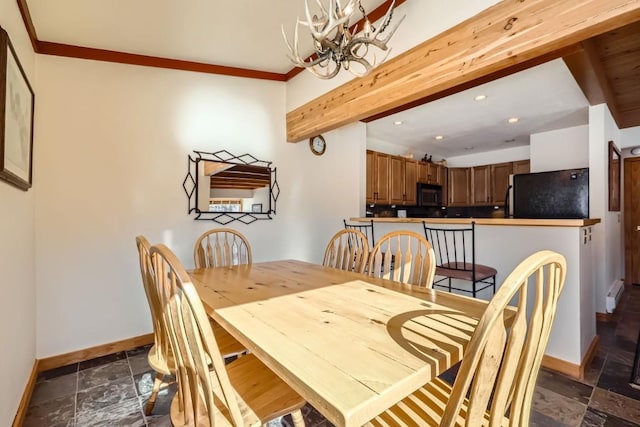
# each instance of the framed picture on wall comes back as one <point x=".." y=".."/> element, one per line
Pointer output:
<point x="16" y="118"/>
<point x="614" y="177"/>
<point x="256" y="207"/>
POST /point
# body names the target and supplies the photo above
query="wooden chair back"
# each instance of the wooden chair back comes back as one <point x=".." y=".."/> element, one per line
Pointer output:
<point x="500" y="366"/>
<point x="348" y="250"/>
<point x="202" y="378"/>
<point x="161" y="343"/>
<point x="221" y="247"/>
<point x="403" y="256"/>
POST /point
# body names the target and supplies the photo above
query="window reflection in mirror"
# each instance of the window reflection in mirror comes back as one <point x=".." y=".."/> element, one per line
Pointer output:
<point x="228" y="187"/>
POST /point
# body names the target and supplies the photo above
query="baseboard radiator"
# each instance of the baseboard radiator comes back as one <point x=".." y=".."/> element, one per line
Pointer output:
<point x="614" y="294"/>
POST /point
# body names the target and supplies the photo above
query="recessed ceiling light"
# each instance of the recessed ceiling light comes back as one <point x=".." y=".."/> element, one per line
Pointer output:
<point x="480" y="98"/>
<point x="514" y="120"/>
<point x="439" y="137"/>
<point x="398" y="122"/>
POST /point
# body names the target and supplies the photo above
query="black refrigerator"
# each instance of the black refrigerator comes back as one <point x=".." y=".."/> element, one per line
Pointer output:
<point x="555" y="194"/>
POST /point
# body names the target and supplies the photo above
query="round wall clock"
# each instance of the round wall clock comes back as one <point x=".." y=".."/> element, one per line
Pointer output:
<point x="318" y="145"/>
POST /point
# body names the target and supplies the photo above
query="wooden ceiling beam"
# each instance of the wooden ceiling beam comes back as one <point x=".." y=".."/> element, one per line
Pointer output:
<point x="509" y="33"/>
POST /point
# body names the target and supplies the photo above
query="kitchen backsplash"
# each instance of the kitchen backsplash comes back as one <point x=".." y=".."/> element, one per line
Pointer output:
<point x="431" y="212"/>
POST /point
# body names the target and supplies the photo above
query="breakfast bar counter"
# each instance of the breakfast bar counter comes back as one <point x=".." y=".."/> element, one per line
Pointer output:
<point x="503" y="242"/>
<point x="488" y="221"/>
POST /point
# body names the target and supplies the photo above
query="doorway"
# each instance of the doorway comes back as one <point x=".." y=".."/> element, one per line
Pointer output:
<point x="632" y="220"/>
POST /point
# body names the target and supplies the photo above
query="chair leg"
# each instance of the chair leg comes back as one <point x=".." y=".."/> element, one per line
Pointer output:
<point x="154" y="393"/>
<point x="494" y="284"/>
<point x="473" y="289"/>
<point x="449" y="284"/>
<point x="298" y="420"/>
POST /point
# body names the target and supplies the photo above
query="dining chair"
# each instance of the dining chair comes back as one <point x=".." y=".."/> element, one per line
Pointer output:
<point x="347" y="250"/>
<point x="497" y="376"/>
<point x="403" y="256"/>
<point x="365" y="227"/>
<point x="243" y="392"/>
<point x="160" y="357"/>
<point x="455" y="251"/>
<point x="221" y="247"/>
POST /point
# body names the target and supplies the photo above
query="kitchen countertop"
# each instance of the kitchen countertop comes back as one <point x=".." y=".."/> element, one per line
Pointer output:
<point x="488" y="221"/>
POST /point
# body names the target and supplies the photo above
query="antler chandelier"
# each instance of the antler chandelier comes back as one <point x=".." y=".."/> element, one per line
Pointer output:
<point x="339" y="45"/>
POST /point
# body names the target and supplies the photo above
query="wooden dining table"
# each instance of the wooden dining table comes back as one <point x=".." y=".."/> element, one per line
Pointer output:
<point x="351" y="345"/>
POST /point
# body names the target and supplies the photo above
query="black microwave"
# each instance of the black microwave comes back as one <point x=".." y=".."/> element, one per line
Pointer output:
<point x="429" y="195"/>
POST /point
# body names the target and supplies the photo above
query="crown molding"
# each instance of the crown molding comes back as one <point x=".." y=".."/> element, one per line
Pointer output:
<point x="71" y="51"/>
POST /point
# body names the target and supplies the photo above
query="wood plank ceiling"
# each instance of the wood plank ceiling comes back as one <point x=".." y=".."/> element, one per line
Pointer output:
<point x="608" y="70"/>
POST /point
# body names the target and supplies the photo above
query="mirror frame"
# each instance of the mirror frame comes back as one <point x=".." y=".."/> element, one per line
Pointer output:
<point x="614" y="177"/>
<point x="190" y="186"/>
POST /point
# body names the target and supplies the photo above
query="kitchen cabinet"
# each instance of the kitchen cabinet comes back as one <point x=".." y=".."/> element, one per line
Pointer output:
<point x="403" y="179"/>
<point x="459" y="186"/>
<point x="410" y="181"/>
<point x="500" y="182"/>
<point x="431" y="173"/>
<point x="481" y="185"/>
<point x="440" y="174"/>
<point x="521" y="166"/>
<point x="423" y="174"/>
<point x="378" y="178"/>
<point x="396" y="183"/>
<point x="391" y="180"/>
<point x="370" y="183"/>
<point x="484" y="185"/>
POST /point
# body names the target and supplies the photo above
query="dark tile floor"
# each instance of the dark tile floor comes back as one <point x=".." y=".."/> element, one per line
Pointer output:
<point x="112" y="390"/>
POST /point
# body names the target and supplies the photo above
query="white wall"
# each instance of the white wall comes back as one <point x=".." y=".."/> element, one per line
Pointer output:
<point x="424" y="20"/>
<point x="388" y="147"/>
<point x="607" y="235"/>
<point x="560" y="149"/>
<point x="629" y="137"/>
<point x="489" y="157"/>
<point x="112" y="158"/>
<point x="17" y="317"/>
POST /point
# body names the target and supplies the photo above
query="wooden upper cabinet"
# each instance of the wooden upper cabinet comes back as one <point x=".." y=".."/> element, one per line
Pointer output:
<point x="371" y="158"/>
<point x="459" y="186"/>
<point x="410" y="181"/>
<point x="396" y="184"/>
<point x="430" y="173"/>
<point x="500" y="182"/>
<point x="422" y="172"/>
<point x="521" y="166"/>
<point x="438" y="173"/>
<point x="391" y="180"/>
<point x="482" y="185"/>
<point x="404" y="176"/>
<point x="481" y="188"/>
<point x="378" y="178"/>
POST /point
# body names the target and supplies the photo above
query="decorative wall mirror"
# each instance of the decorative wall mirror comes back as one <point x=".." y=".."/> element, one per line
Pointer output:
<point x="224" y="188"/>
<point x="614" y="177"/>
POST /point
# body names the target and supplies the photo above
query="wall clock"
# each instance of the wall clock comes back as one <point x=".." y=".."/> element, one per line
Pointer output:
<point x="318" y="145"/>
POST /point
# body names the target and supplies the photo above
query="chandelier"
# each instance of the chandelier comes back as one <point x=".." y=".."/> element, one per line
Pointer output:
<point x="340" y="44"/>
